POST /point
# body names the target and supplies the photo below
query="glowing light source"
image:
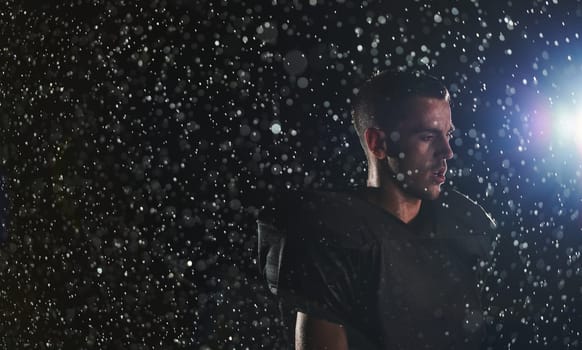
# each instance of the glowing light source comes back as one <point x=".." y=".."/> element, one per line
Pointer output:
<point x="567" y="127"/>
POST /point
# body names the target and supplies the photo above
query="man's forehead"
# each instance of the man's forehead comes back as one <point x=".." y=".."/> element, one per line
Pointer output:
<point x="427" y="112"/>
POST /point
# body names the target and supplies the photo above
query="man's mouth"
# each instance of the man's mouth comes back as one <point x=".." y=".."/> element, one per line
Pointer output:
<point x="439" y="174"/>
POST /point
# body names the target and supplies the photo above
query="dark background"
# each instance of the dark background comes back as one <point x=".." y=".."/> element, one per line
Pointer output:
<point x="138" y="140"/>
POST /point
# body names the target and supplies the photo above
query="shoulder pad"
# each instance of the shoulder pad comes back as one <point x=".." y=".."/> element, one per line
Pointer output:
<point x="456" y="207"/>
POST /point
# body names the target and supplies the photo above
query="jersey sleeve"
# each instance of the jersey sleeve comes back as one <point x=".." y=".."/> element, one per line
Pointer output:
<point x="308" y="264"/>
<point x="460" y="215"/>
<point x="483" y="238"/>
<point x="463" y="217"/>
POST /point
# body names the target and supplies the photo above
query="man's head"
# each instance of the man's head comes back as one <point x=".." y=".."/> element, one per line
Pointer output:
<point x="404" y="123"/>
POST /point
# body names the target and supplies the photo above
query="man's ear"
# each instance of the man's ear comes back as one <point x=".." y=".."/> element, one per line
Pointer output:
<point x="376" y="142"/>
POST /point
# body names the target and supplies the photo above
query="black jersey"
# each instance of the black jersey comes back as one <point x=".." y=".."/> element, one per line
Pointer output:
<point x="393" y="285"/>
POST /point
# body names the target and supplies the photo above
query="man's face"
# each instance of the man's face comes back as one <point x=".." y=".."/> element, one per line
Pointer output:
<point x="422" y="147"/>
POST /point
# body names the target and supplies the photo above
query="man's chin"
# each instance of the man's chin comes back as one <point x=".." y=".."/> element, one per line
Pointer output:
<point x="428" y="193"/>
<point x="434" y="192"/>
<point x="433" y="195"/>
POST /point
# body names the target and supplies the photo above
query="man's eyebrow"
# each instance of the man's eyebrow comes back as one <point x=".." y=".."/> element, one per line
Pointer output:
<point x="432" y="130"/>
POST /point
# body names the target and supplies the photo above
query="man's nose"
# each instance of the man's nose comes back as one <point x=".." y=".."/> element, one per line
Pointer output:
<point x="446" y="151"/>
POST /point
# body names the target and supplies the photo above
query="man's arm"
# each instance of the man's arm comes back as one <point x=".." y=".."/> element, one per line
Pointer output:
<point x="316" y="334"/>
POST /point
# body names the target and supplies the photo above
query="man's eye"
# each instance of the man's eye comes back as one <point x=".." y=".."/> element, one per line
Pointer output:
<point x="427" y="137"/>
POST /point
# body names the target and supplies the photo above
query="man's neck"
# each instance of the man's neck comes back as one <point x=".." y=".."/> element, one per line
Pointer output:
<point x="394" y="200"/>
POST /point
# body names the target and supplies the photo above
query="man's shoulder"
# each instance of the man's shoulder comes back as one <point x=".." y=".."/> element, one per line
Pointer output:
<point x="313" y="203"/>
<point x="314" y="214"/>
<point x="456" y="208"/>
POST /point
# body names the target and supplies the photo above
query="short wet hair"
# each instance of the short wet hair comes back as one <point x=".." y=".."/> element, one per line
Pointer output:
<point x="381" y="100"/>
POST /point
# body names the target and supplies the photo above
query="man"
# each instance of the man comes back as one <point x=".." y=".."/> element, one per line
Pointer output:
<point x="399" y="264"/>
